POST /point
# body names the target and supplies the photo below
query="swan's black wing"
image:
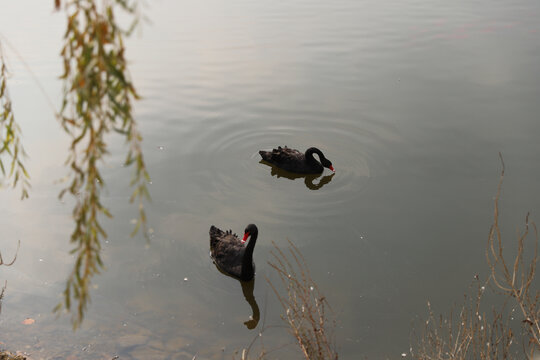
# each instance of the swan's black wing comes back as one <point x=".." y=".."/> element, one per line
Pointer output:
<point x="227" y="251"/>
<point x="283" y="156"/>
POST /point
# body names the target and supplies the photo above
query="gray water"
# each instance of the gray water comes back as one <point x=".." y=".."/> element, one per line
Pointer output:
<point x="410" y="100"/>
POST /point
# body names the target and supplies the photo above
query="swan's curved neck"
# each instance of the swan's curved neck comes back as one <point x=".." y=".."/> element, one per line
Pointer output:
<point x="247" y="261"/>
<point x="311" y="151"/>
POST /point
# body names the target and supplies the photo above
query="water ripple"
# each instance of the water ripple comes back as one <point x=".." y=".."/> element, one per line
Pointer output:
<point x="228" y="165"/>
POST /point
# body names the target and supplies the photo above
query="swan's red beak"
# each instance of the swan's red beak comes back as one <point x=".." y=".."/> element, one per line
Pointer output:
<point x="332" y="168"/>
<point x="246" y="235"/>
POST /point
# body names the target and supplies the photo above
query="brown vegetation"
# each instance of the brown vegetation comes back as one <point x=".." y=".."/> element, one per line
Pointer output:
<point x="470" y="332"/>
<point x="304" y="305"/>
<point x="515" y="279"/>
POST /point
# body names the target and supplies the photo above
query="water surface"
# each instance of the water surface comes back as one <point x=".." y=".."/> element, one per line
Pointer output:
<point x="410" y="100"/>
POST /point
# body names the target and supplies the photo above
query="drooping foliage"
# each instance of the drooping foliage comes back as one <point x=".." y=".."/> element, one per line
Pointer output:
<point x="97" y="100"/>
<point x="12" y="170"/>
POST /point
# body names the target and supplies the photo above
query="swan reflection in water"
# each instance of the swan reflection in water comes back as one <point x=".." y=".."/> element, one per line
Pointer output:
<point x="308" y="178"/>
<point x="247" y="290"/>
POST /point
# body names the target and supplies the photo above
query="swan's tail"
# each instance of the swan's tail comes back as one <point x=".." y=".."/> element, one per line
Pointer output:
<point x="215" y="235"/>
<point x="266" y="155"/>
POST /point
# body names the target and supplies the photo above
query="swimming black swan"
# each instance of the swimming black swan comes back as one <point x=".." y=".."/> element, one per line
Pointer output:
<point x="294" y="161"/>
<point x="230" y="253"/>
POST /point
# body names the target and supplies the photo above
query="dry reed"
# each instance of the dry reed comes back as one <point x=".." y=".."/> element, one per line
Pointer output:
<point x="470" y="333"/>
<point x="304" y="305"/>
<point x="2" y="295"/>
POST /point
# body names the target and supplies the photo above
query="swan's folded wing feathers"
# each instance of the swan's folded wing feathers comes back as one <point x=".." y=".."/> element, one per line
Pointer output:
<point x="281" y="155"/>
<point x="229" y="258"/>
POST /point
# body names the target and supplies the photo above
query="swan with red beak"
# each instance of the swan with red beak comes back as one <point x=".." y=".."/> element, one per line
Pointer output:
<point x="231" y="255"/>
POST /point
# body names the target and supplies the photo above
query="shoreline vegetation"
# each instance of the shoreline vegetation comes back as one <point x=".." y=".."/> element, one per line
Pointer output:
<point x="510" y="329"/>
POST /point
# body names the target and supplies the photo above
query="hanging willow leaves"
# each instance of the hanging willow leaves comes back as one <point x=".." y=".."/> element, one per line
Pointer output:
<point x="13" y="173"/>
<point x="98" y="96"/>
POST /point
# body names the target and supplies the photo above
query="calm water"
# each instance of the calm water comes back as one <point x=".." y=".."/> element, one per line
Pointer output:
<point x="411" y="100"/>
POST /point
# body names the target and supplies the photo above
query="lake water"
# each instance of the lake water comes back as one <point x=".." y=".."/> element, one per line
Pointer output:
<point x="411" y="101"/>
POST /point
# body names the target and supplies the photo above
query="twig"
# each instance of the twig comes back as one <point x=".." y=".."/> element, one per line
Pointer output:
<point x="14" y="258"/>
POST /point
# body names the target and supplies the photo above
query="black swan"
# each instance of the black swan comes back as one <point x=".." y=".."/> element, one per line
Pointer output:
<point x="297" y="162"/>
<point x="231" y="255"/>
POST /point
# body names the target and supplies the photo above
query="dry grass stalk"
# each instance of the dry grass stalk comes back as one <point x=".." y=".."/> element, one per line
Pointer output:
<point x="466" y="334"/>
<point x="470" y="334"/>
<point x="2" y="294"/>
<point x="304" y="305"/>
<point x="245" y="355"/>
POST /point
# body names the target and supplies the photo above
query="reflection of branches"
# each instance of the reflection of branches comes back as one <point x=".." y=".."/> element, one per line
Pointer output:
<point x="98" y="95"/>
<point x="515" y="279"/>
<point x="14" y="257"/>
<point x="304" y="305"/>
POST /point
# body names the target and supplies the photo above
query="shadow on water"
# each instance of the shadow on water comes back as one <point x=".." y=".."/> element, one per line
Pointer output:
<point x="308" y="178"/>
<point x="247" y="290"/>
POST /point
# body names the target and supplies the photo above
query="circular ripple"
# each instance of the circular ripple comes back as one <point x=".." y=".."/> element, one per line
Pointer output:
<point x="237" y="186"/>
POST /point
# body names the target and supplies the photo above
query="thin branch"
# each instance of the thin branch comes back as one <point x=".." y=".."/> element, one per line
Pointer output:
<point x="10" y="138"/>
<point x="14" y="257"/>
<point x="304" y="305"/>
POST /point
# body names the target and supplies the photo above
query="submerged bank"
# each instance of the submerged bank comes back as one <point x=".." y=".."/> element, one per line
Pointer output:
<point x="5" y="355"/>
